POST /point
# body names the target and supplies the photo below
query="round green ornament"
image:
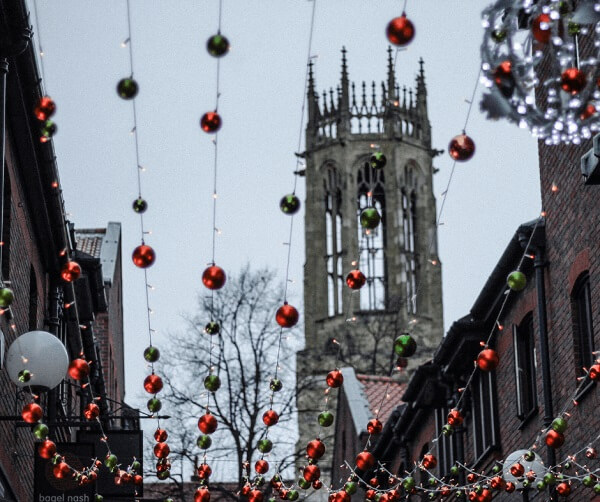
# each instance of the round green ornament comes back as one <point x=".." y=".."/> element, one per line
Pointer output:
<point x="541" y="486"/>
<point x="559" y="424"/>
<point x="597" y="489"/>
<point x="98" y="498"/>
<point x="408" y="483"/>
<point x="405" y="345"/>
<point x="48" y="129"/>
<point x="212" y="328"/>
<point x="588" y="481"/>
<point x="154" y="405"/>
<point x="516" y="280"/>
<point x="162" y="475"/>
<point x="325" y="418"/>
<point x="6" y="297"/>
<point x="447" y="430"/>
<point x="217" y="45"/>
<point x="498" y="36"/>
<point x="151" y="354"/>
<point x="293" y="495"/>
<point x="212" y="383"/>
<point x="276" y="384"/>
<point x="289" y="204"/>
<point x="127" y="88"/>
<point x="549" y="478"/>
<point x="41" y="431"/>
<point x="111" y="461"/>
<point x="204" y="442"/>
<point x="302" y="483"/>
<point x="136" y="466"/>
<point x="265" y="445"/>
<point x="350" y="487"/>
<point x="378" y="160"/>
<point x="140" y="205"/>
<point x="369" y="218"/>
<point x="24" y="376"/>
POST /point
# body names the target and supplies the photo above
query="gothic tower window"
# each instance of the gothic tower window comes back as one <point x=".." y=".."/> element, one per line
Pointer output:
<point x="333" y="225"/>
<point x="409" y="226"/>
<point x="372" y="242"/>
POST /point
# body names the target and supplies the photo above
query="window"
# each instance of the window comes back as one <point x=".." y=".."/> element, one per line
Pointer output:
<point x="5" y="226"/>
<point x="372" y="242"/>
<point x="583" y="327"/>
<point x="446" y="447"/>
<point x="525" y="366"/>
<point x="484" y="414"/>
<point x="409" y="221"/>
<point x="333" y="225"/>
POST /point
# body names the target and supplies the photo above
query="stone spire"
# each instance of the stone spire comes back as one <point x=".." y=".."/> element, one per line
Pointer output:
<point x="391" y="80"/>
<point x="421" y="89"/>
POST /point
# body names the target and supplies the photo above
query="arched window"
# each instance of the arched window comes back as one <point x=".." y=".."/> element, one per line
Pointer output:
<point x="333" y="225"/>
<point x="409" y="227"/>
<point x="372" y="242"/>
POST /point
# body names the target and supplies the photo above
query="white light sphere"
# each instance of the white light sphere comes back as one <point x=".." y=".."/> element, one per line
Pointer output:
<point x="43" y="355"/>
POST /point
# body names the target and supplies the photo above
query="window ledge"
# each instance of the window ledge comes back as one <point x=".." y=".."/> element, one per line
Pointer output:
<point x="585" y="390"/>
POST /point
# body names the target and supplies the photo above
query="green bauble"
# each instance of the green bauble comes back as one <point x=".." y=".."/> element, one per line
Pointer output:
<point x="588" y="481"/>
<point x="204" y="442"/>
<point x="98" y="498"/>
<point x="212" y="383"/>
<point x="275" y="384"/>
<point x="217" y="45"/>
<point x="454" y="470"/>
<point x="405" y="345"/>
<point x="574" y="28"/>
<point x="432" y="482"/>
<point x="540" y="485"/>
<point x="293" y="495"/>
<point x="111" y="461"/>
<point x="378" y="160"/>
<point x="151" y="354"/>
<point x="516" y="280"/>
<point x="498" y="36"/>
<point x="48" y="129"/>
<point x="136" y="466"/>
<point x="549" y="478"/>
<point x="259" y="481"/>
<point x="41" y="431"/>
<point x="302" y="483"/>
<point x="127" y="88"/>
<point x="432" y="495"/>
<point x="154" y="405"/>
<point x="559" y="424"/>
<point x="290" y="204"/>
<point x="529" y="456"/>
<point x="24" y="376"/>
<point x="369" y="218"/>
<point x="56" y="459"/>
<point x="265" y="445"/>
<point x="597" y="489"/>
<point x="140" y="205"/>
<point x="168" y="499"/>
<point x="6" y="297"/>
<point x="350" y="487"/>
<point x="162" y="475"/>
<point x="526" y="483"/>
<point x="447" y="430"/>
<point x="408" y="483"/>
<point x="497" y="468"/>
<point x="325" y="418"/>
<point x="212" y="328"/>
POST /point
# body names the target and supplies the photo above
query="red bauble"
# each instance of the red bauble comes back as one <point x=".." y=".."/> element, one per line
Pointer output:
<point x="365" y="461"/>
<point x="355" y="279"/>
<point x="335" y="379"/>
<point x="591" y="453"/>
<point x="143" y="256"/>
<point x="261" y="466"/>
<point x="211" y="122"/>
<point x="563" y="489"/>
<point x="153" y="384"/>
<point x="70" y="271"/>
<point x="255" y="496"/>
<point x="572" y="80"/>
<point x="315" y="449"/>
<point x="311" y="473"/>
<point x="138" y="479"/>
<point x="504" y="78"/>
<point x="588" y="112"/>
<point x="161" y="450"/>
<point x="160" y="435"/>
<point x="270" y="417"/>
<point x="541" y="28"/>
<point x="554" y="439"/>
<point x="61" y="470"/>
<point x="510" y="487"/>
<point x="45" y="108"/>
<point x="47" y="449"/>
<point x="317" y="485"/>
<point x="32" y="413"/>
<point x="91" y="411"/>
<point x="202" y="495"/>
<point x="485" y="496"/>
<point x="214" y="277"/>
<point x="488" y="360"/>
<point x="342" y="496"/>
<point x="429" y="461"/>
<point x="400" y="31"/>
<point x="471" y="477"/>
<point x="455" y="418"/>
<point x="286" y="316"/>
<point x="207" y="423"/>
<point x="517" y="470"/>
<point x="497" y="482"/>
<point x="370" y="494"/>
<point x="204" y="471"/>
<point x="79" y="369"/>
<point x="595" y="372"/>
<point x="461" y="148"/>
<point x="374" y="426"/>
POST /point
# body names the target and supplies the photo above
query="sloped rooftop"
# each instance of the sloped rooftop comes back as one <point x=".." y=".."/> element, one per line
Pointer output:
<point x="383" y="393"/>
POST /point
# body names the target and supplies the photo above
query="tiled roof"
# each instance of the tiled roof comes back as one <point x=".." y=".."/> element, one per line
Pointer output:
<point x="90" y="240"/>
<point x="381" y="391"/>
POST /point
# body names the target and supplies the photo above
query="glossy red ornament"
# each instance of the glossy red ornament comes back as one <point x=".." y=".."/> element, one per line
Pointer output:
<point x="70" y="271"/>
<point x="207" y="423"/>
<point x="370" y="494"/>
<point x="161" y="450"/>
<point x="204" y="471"/>
<point x="554" y="439"/>
<point x="143" y="256"/>
<point x="591" y="453"/>
<point x="504" y="78"/>
<point x="488" y="360"/>
<point x="455" y="418"/>
<point x="541" y="28"/>
<point x="214" y="277"/>
<point x="355" y="279"/>
<point x="517" y="470"/>
<point x="573" y="80"/>
<point x="91" y="411"/>
<point x="471" y="477"/>
<point x="315" y="449"/>
<point x="317" y="485"/>
<point x="45" y="108"/>
<point x="334" y="379"/>
<point x="400" y="31"/>
<point x="563" y="489"/>
<point x="211" y="122"/>
<point x="160" y="435"/>
<point x="594" y="372"/>
<point x="374" y="426"/>
<point x="311" y="473"/>
<point x="510" y="487"/>
<point x="61" y="470"/>
<point x="429" y="461"/>
<point x="47" y="449"/>
<point x="588" y="112"/>
<point x="497" y="483"/>
<point x="32" y="413"/>
<point x="365" y="460"/>
<point x="202" y="495"/>
<point x="153" y="384"/>
<point x="261" y="466"/>
<point x="461" y="148"/>
<point x="270" y="417"/>
<point x="485" y="496"/>
<point x="255" y="496"/>
<point x="286" y="316"/>
<point x="79" y="369"/>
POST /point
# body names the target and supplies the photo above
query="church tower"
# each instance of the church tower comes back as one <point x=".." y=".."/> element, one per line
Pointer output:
<point x="399" y="258"/>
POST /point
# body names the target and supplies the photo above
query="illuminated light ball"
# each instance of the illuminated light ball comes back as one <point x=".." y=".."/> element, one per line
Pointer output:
<point x="160" y="435"/>
<point x="70" y="271"/>
<point x="143" y="256"/>
<point x="405" y="345"/>
<point x="78" y="369"/>
<point x="429" y="461"/>
<point x="563" y="489"/>
<point x="591" y="453"/>
<point x="255" y="496"/>
<point x="261" y="466"/>
<point x="127" y="88"/>
<point x="315" y="449"/>
<point x="317" y="485"/>
<point x="153" y="384"/>
<point x="325" y="418"/>
<point x="287" y="316"/>
<point x="594" y="372"/>
<point x="541" y="28"/>
<point x="378" y="160"/>
<point x="334" y="379"/>
<point x="207" y="423"/>
<point x="91" y="411"/>
<point x="204" y="442"/>
<point x="554" y="439"/>
<point x="289" y="204"/>
<point x="455" y="418"/>
<point x="369" y="218"/>
<point x="355" y="279"/>
<point x="461" y="148"/>
<point x="140" y="205"/>
<point x="517" y="470"/>
<point x="6" y="297"/>
<point x="504" y="78"/>
<point x="374" y="426"/>
<point x="573" y="80"/>
<point x="365" y="460"/>
<point x="498" y="36"/>
<point x="212" y="383"/>
<point x="265" y="445"/>
<point x="211" y="122"/>
<point x="214" y="277"/>
<point x="24" y="376"/>
<point x="47" y="449"/>
<point x="161" y="450"/>
<point x="588" y="112"/>
<point x="151" y="354"/>
<point x="217" y="45"/>
<point x="276" y="384"/>
<point x="311" y="473"/>
<point x="41" y="431"/>
<point x="202" y="495"/>
<point x="516" y="280"/>
<point x="32" y="413"/>
<point x="154" y="405"/>
<point x="212" y="328"/>
<point x="47" y="130"/>
<point x="487" y="360"/>
<point x="400" y="31"/>
<point x="559" y="424"/>
<point x="270" y="418"/>
<point x="45" y="108"/>
<point x="61" y="470"/>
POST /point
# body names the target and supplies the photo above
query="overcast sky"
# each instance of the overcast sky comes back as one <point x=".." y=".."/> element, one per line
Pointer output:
<point x="262" y="91"/>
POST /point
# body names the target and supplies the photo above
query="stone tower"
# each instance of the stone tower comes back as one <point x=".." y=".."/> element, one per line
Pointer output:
<point x="399" y="258"/>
